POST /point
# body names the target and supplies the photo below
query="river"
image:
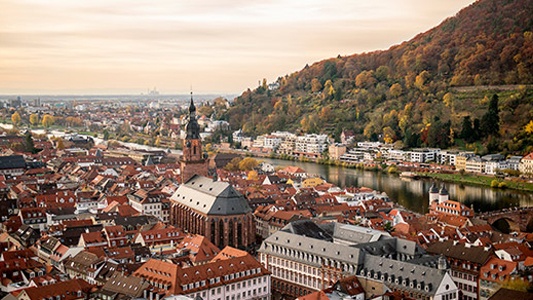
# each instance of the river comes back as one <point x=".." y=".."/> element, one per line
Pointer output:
<point x="413" y="194"/>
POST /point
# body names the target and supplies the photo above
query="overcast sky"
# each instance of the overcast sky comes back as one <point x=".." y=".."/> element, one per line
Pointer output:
<point x="215" y="46"/>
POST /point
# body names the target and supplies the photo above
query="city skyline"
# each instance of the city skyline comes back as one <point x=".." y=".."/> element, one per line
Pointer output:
<point x="97" y="47"/>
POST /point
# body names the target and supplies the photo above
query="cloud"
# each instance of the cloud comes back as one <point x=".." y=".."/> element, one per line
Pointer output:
<point x="224" y="45"/>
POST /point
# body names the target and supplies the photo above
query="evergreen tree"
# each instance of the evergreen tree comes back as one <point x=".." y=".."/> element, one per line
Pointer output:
<point x="28" y="144"/>
<point x="490" y="122"/>
<point x="467" y="131"/>
<point x="477" y="129"/>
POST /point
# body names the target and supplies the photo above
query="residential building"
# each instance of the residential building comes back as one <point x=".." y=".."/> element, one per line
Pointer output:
<point x="465" y="263"/>
<point x="422" y="155"/>
<point x="526" y="165"/>
<point x="83" y="265"/>
<point x="12" y="165"/>
<point x="235" y="277"/>
<point x="460" y="160"/>
<point x="475" y="164"/>
<point x="336" y="151"/>
<point x="288" y="145"/>
<point x="494" y="274"/>
<point x="75" y="289"/>
<point x="447" y="157"/>
<point x="148" y="202"/>
<point x="311" y="145"/>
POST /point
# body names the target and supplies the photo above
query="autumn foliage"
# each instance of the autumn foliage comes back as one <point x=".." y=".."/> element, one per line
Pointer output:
<point x="417" y="93"/>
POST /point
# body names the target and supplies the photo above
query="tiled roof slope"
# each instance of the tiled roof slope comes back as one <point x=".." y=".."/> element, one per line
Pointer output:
<point x="459" y="251"/>
<point x="211" y="197"/>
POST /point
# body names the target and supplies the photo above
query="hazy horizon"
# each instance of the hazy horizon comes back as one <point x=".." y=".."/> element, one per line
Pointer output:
<point x="99" y="47"/>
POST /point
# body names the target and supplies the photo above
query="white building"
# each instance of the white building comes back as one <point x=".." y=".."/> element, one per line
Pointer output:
<point x="422" y="155"/>
<point x="447" y="157"/>
<point x="305" y="257"/>
<point x="313" y="144"/>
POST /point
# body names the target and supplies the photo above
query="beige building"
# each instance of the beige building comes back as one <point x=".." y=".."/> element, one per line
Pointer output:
<point x="526" y="165"/>
<point x="336" y="151"/>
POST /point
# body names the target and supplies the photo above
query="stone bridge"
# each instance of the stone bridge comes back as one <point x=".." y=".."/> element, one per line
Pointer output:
<point x="510" y="219"/>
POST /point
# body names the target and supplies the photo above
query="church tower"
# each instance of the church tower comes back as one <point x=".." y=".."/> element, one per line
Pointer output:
<point x="193" y="161"/>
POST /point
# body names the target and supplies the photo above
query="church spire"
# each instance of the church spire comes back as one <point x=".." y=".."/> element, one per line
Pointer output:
<point x="192" y="128"/>
<point x="192" y="108"/>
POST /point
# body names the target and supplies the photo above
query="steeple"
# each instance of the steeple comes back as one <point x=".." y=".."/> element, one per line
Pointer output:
<point x="192" y="128"/>
<point x="192" y="108"/>
<point x="193" y="161"/>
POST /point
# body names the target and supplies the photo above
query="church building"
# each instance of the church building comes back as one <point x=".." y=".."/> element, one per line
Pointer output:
<point x="210" y="208"/>
<point x="215" y="210"/>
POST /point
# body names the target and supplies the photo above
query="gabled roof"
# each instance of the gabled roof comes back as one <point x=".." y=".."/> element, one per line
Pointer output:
<point x="459" y="251"/>
<point x="129" y="286"/>
<point x="406" y="273"/>
<point x="201" y="249"/>
<point x="211" y="197"/>
<point x="66" y="290"/>
<point x="12" y="162"/>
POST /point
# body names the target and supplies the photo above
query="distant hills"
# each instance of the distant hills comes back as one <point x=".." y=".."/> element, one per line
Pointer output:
<point x="434" y="90"/>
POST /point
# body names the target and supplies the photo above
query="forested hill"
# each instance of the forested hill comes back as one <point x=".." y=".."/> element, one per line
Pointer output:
<point x="409" y="94"/>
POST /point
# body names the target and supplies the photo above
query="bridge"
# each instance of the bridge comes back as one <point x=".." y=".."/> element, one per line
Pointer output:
<point x="510" y="219"/>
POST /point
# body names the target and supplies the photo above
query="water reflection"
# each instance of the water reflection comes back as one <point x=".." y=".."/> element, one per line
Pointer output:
<point x="413" y="195"/>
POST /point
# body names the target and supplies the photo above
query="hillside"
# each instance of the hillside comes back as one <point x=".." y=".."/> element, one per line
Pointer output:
<point x="412" y="94"/>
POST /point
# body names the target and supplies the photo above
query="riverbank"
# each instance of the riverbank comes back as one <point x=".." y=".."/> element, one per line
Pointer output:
<point x="465" y="179"/>
<point x="481" y="180"/>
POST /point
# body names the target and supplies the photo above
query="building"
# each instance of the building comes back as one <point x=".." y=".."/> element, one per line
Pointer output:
<point x="305" y="257"/>
<point x="235" y="277"/>
<point x="148" y="202"/>
<point x="475" y="164"/>
<point x="526" y="165"/>
<point x="336" y="151"/>
<point x="311" y="145"/>
<point x="13" y="165"/>
<point x="65" y="290"/>
<point x="447" y="157"/>
<point x="215" y="210"/>
<point x="193" y="160"/>
<point x="494" y="274"/>
<point x="465" y="263"/>
<point x="460" y="160"/>
<point x="423" y="155"/>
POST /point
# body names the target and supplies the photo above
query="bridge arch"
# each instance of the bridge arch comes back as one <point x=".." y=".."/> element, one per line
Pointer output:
<point x="506" y="225"/>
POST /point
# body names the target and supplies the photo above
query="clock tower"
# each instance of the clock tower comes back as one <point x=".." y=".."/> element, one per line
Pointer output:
<point x="193" y="161"/>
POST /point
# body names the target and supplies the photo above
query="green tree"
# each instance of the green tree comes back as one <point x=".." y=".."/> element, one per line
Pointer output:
<point x="28" y="144"/>
<point x="388" y="227"/>
<point x="467" y="131"/>
<point x="490" y="122"/>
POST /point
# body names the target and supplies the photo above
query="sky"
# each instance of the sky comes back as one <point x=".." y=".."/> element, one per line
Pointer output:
<point x="213" y="46"/>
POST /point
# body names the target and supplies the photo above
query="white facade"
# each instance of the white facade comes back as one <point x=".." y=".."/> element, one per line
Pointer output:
<point x="447" y="157"/>
<point x="396" y="155"/>
<point x="312" y="143"/>
<point x="271" y="142"/>
<point x="423" y="155"/>
<point x="255" y="288"/>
